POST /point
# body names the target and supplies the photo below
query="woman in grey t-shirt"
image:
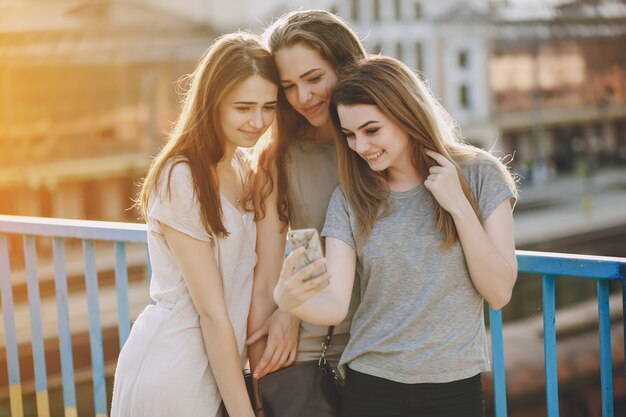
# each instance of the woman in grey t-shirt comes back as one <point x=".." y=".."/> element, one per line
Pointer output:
<point x="425" y="222"/>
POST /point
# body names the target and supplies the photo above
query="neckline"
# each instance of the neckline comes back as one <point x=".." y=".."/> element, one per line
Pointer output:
<point x="307" y="145"/>
<point x="237" y="157"/>
<point x="419" y="188"/>
<point x="230" y="203"/>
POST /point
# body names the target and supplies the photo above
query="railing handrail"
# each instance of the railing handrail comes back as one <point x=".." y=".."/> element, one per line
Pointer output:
<point x="566" y="264"/>
<point x="70" y="228"/>
<point x="585" y="266"/>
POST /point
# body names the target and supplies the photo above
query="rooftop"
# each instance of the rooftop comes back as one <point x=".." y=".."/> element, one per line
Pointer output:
<point x="96" y="31"/>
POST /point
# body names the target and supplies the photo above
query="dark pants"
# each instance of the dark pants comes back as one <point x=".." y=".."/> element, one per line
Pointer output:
<point x="366" y="395"/>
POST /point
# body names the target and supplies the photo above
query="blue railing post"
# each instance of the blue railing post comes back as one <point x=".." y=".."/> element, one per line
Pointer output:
<point x="95" y="331"/>
<point x="606" y="364"/>
<point x="497" y="353"/>
<point x="624" y="317"/>
<point x="41" y="385"/>
<point x="13" y="364"/>
<point x="65" y="337"/>
<point x="549" y="344"/>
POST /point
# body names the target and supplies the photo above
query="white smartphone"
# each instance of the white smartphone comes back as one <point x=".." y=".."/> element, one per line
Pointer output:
<point x="310" y="239"/>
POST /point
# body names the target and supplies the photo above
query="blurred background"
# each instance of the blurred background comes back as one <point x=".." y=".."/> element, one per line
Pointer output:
<point x="88" y="91"/>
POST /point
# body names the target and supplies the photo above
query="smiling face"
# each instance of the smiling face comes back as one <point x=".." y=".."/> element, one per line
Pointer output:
<point x="308" y="81"/>
<point x="247" y="111"/>
<point x="375" y="137"/>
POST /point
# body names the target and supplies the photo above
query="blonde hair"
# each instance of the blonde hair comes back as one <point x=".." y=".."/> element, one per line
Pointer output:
<point x="336" y="43"/>
<point x="197" y="138"/>
<point x="399" y="94"/>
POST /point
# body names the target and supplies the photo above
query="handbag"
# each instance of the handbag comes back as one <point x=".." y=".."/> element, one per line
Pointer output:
<point x="307" y="389"/>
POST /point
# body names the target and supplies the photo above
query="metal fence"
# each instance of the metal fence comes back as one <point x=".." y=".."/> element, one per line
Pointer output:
<point x="547" y="265"/>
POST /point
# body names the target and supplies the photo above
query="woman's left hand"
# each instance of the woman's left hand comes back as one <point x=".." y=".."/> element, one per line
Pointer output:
<point x="444" y="184"/>
<point x="281" y="329"/>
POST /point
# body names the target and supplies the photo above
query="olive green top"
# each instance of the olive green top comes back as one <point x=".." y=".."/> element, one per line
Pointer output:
<point x="312" y="176"/>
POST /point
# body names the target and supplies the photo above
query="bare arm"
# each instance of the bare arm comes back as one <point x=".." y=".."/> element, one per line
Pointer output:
<point x="489" y="249"/>
<point x="279" y="348"/>
<point x="489" y="252"/>
<point x="201" y="273"/>
<point x="322" y="301"/>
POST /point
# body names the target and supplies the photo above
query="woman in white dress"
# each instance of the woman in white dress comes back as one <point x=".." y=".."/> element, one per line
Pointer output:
<point x="186" y="352"/>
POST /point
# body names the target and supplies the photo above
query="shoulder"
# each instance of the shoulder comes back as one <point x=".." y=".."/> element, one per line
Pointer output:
<point x="477" y="159"/>
<point x="483" y="164"/>
<point x="490" y="179"/>
<point x="338" y="194"/>
<point x="175" y="176"/>
<point x="339" y="202"/>
<point x="176" y="169"/>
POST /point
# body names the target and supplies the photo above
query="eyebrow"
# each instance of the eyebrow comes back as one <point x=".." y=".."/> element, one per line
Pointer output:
<point x="364" y="125"/>
<point x="302" y="75"/>
<point x="252" y="103"/>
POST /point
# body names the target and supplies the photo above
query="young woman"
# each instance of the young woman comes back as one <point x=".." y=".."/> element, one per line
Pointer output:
<point x="297" y="175"/>
<point x="185" y="353"/>
<point x="425" y="221"/>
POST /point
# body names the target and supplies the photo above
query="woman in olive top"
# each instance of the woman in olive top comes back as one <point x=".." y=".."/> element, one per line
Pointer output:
<point x="296" y="177"/>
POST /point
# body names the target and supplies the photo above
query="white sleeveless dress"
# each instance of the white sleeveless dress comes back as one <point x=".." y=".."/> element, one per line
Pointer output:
<point x="163" y="368"/>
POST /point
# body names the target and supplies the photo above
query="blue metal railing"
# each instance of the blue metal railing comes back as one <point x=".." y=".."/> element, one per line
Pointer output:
<point x="549" y="265"/>
<point x="59" y="230"/>
<point x="602" y="269"/>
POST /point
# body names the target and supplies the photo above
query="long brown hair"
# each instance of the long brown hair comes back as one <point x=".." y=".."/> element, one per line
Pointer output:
<point x="333" y="39"/>
<point x="197" y="138"/>
<point x="401" y="96"/>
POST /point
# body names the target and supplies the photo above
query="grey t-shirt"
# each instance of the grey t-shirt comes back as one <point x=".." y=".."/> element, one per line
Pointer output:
<point x="420" y="319"/>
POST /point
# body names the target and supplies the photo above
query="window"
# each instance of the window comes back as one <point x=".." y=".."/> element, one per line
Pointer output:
<point x="462" y="59"/>
<point x="399" y="51"/>
<point x="354" y="10"/>
<point x="418" y="56"/>
<point x="376" y="10"/>
<point x="418" y="10"/>
<point x="464" y="99"/>
<point x="397" y="6"/>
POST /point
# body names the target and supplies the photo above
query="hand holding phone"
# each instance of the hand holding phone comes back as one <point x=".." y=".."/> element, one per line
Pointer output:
<point x="304" y="271"/>
<point x="310" y="240"/>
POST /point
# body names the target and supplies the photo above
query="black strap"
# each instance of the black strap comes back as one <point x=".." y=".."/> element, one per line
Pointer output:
<point x="326" y="344"/>
<point x="329" y="336"/>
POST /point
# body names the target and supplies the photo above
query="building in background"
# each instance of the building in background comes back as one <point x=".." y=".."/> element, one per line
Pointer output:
<point x="558" y="87"/>
<point x="87" y="90"/>
<point x="543" y="79"/>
